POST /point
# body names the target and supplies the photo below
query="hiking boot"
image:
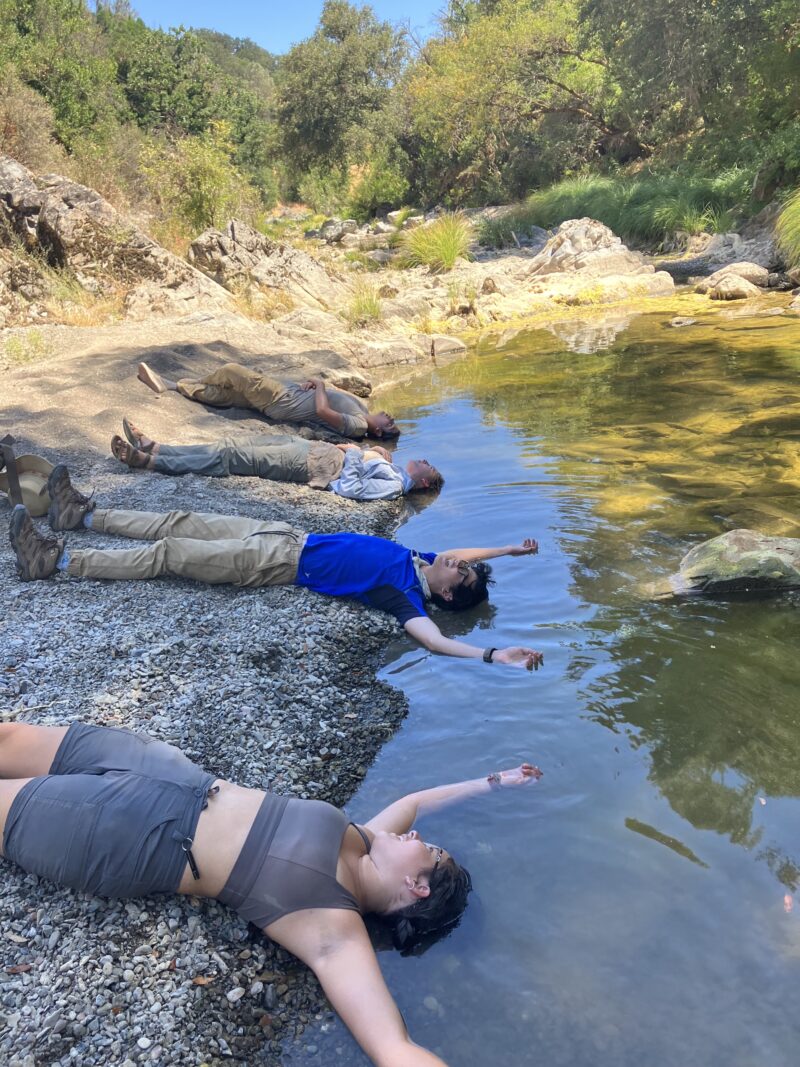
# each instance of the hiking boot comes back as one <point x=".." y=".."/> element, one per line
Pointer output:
<point x="68" y="507"/>
<point x="37" y="556"/>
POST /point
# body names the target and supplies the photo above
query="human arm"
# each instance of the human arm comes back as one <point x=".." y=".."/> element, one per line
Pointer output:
<point x="528" y="547"/>
<point x="366" y="476"/>
<point x="322" y="407"/>
<point x="400" y="816"/>
<point x="426" y="631"/>
<point x="336" y="946"/>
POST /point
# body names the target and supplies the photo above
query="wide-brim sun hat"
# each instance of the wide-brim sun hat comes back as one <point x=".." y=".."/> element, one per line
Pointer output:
<point x="33" y="472"/>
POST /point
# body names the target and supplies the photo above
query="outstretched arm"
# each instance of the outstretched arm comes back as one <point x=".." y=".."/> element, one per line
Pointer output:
<point x="343" y="959"/>
<point x="323" y="409"/>
<point x="528" y="547"/>
<point x="401" y="816"/>
<point x="426" y="631"/>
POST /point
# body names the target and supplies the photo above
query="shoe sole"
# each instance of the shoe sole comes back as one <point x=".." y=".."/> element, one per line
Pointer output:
<point x="133" y="439"/>
<point x="150" y="379"/>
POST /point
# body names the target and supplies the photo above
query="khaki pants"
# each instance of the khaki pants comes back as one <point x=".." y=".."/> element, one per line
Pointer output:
<point x="209" y="548"/>
<point x="233" y="386"/>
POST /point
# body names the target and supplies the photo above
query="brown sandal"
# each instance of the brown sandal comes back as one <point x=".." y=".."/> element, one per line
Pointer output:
<point x="126" y="453"/>
<point x="137" y="437"/>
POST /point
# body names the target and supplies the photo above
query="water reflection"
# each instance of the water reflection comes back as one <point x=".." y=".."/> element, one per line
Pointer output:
<point x="632" y="908"/>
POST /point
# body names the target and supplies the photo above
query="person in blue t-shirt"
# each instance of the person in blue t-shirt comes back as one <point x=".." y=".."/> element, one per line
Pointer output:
<point x="250" y="552"/>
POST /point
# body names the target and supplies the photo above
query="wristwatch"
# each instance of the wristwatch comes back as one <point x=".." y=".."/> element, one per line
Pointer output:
<point x="488" y="654"/>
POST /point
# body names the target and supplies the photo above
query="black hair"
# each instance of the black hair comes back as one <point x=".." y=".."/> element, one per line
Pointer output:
<point x="435" y="915"/>
<point x="467" y="596"/>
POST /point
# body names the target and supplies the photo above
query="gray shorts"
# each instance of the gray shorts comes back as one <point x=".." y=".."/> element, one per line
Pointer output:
<point x="114" y="817"/>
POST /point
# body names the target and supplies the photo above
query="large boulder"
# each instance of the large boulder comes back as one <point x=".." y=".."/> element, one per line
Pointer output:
<point x="588" y="247"/>
<point x="741" y="561"/>
<point x="73" y="227"/>
<point x="750" y="272"/>
<point x="732" y="287"/>
<point x="241" y="256"/>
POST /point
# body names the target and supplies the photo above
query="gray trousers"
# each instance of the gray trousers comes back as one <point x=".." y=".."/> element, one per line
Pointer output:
<point x="279" y="457"/>
<point x="215" y="549"/>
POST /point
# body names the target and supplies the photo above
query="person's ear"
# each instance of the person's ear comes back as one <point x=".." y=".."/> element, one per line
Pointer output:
<point x="446" y="594"/>
<point x="419" y="889"/>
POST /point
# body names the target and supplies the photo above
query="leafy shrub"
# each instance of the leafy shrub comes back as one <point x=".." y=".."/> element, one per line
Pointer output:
<point x="196" y="181"/>
<point x="27" y="127"/>
<point x="324" y="189"/>
<point x="787" y="229"/>
<point x="381" y="186"/>
<point x="364" y="306"/>
<point x="439" y="244"/>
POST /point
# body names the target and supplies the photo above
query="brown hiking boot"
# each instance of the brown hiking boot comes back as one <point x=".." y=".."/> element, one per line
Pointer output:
<point x="68" y="507"/>
<point x="37" y="556"/>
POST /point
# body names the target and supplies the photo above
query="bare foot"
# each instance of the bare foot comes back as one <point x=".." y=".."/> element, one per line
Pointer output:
<point x="154" y="381"/>
<point x="137" y="438"/>
<point x="126" y="453"/>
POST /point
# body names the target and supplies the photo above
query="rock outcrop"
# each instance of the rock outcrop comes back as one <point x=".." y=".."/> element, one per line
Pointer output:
<point x="740" y="562"/>
<point x="240" y="256"/>
<point x="584" y="252"/>
<point x="72" y="226"/>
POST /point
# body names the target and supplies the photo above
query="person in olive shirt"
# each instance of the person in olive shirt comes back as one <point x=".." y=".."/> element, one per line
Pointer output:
<point x="311" y="402"/>
<point x="251" y="552"/>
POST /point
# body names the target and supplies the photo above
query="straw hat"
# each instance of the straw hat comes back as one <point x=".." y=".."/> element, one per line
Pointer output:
<point x="32" y="472"/>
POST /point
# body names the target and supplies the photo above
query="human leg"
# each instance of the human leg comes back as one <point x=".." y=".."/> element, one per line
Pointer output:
<point x="232" y="386"/>
<point x="203" y="526"/>
<point x="264" y="558"/>
<point x="26" y="750"/>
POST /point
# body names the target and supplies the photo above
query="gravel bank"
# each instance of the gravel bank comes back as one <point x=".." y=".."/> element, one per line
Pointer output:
<point x="271" y="688"/>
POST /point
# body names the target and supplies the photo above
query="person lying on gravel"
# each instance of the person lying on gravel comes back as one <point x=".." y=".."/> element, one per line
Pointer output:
<point x="310" y="402"/>
<point x="118" y="814"/>
<point x="251" y="552"/>
<point x="350" y="471"/>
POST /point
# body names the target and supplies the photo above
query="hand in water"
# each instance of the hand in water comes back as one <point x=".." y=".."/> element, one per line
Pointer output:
<point x="521" y="775"/>
<point x="529" y="547"/>
<point x="517" y="656"/>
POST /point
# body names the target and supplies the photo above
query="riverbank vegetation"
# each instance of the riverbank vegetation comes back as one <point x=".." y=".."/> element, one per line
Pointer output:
<point x="678" y="118"/>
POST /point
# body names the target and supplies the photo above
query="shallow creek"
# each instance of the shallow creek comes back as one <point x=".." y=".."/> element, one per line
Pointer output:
<point x="637" y="906"/>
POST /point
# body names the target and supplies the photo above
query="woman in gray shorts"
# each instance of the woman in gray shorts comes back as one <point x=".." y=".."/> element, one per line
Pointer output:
<point x="119" y="814"/>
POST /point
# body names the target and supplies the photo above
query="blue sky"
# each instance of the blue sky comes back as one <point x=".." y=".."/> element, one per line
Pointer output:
<point x="275" y="26"/>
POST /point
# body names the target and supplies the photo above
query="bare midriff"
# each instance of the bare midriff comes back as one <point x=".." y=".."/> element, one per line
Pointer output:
<point x="220" y="835"/>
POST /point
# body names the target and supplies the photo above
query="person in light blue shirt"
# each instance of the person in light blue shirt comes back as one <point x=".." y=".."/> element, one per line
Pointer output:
<point x="346" y="469"/>
<point x="251" y="552"/>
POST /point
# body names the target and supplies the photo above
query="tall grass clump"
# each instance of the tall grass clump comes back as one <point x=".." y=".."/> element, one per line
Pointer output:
<point x="439" y="244"/>
<point x="364" y="307"/>
<point x="787" y="229"/>
<point x="651" y="207"/>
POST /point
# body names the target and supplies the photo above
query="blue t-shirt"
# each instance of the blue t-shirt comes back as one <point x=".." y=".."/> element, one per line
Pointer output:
<point x="375" y="571"/>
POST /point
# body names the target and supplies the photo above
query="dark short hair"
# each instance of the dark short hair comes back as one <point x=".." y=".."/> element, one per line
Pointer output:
<point x="467" y="596"/>
<point x="450" y="885"/>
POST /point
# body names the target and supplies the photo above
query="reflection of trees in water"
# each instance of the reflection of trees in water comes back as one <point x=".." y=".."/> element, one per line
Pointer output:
<point x="680" y="427"/>
<point x="709" y="691"/>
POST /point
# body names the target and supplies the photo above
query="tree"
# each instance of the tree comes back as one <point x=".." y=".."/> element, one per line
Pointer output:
<point x="330" y="84"/>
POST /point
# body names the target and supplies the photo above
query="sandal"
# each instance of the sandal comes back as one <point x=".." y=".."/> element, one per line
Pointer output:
<point x="136" y="437"/>
<point x="126" y="453"/>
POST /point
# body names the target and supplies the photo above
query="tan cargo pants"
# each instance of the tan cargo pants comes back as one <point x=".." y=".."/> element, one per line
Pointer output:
<point x="233" y="386"/>
<point x="209" y="548"/>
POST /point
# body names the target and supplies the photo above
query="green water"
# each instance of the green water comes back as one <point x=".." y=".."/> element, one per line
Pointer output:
<point x="631" y="908"/>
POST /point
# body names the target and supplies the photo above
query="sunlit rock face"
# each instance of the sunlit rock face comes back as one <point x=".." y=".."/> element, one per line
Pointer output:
<point x="740" y="561"/>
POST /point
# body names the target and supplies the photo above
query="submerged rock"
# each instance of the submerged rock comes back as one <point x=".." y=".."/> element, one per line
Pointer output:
<point x="740" y="561"/>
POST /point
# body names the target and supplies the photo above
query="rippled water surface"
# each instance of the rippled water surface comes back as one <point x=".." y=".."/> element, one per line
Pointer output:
<point x="633" y="907"/>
